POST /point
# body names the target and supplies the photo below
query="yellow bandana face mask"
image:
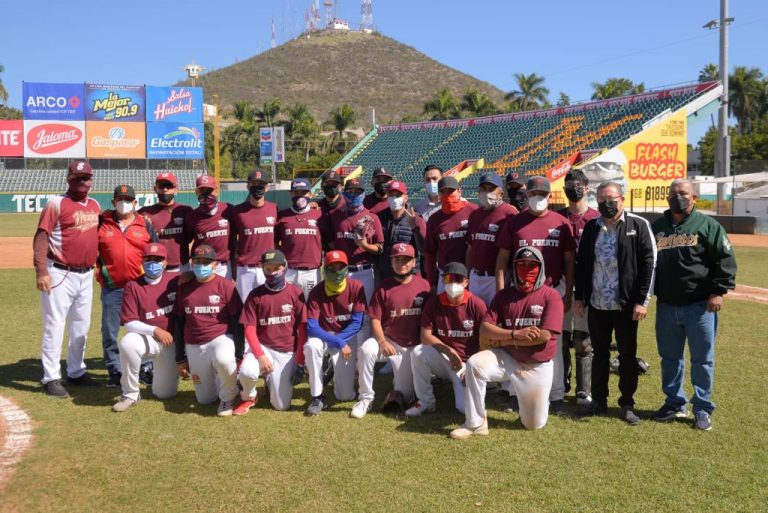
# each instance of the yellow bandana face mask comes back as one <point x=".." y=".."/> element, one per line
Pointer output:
<point x="335" y="281"/>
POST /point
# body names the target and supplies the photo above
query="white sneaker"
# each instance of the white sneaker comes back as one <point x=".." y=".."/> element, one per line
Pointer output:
<point x="465" y="432"/>
<point x="360" y="409"/>
<point x="418" y="409"/>
<point x="583" y="399"/>
<point x="123" y="404"/>
<point x="225" y="409"/>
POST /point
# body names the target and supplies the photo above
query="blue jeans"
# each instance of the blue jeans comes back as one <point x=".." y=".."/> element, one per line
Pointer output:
<point x="675" y="324"/>
<point x="111" y="303"/>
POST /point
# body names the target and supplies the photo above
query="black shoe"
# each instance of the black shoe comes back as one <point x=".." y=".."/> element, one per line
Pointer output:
<point x="629" y="416"/>
<point x="557" y="408"/>
<point x="512" y="406"/>
<point x="114" y="380"/>
<point x="592" y="408"/>
<point x="83" y="381"/>
<point x="327" y="370"/>
<point x="145" y="376"/>
<point x="54" y="388"/>
<point x="668" y="413"/>
<point x="317" y="405"/>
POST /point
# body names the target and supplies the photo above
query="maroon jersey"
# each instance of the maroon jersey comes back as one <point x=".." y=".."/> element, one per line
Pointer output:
<point x="206" y="308"/>
<point x="326" y="230"/>
<point x="298" y="237"/>
<point x="482" y="229"/>
<point x="398" y="306"/>
<point x="148" y="303"/>
<point x="549" y="233"/>
<point x="333" y="313"/>
<point x="457" y="326"/>
<point x="276" y="315"/>
<point x="375" y="204"/>
<point x="169" y="225"/>
<point x="577" y="221"/>
<point x="214" y="230"/>
<point x="447" y="235"/>
<point x="255" y="230"/>
<point x="345" y="226"/>
<point x="513" y="310"/>
<point x="72" y="228"/>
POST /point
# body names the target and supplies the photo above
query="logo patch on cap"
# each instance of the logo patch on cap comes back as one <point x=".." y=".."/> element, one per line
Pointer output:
<point x="80" y="166"/>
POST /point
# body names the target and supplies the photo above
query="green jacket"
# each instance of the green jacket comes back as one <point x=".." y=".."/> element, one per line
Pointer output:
<point x="695" y="259"/>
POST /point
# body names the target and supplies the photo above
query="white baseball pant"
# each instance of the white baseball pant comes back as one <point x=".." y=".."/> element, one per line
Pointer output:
<point x="482" y="286"/>
<point x="425" y="361"/>
<point x="248" y="278"/>
<point x="368" y="279"/>
<point x="69" y="302"/>
<point x="305" y="279"/>
<point x="343" y="370"/>
<point x="402" y="379"/>
<point x="135" y="348"/>
<point x="279" y="381"/>
<point x="216" y="369"/>
<point x="531" y="381"/>
<point x="223" y="270"/>
<point x="572" y="322"/>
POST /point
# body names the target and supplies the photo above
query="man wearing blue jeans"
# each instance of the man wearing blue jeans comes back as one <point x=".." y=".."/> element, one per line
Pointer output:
<point x="696" y="268"/>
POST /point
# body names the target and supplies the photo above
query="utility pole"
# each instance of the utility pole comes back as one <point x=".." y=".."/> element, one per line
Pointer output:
<point x="216" y="138"/>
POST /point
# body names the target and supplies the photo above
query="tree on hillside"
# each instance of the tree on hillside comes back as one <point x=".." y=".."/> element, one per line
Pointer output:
<point x="745" y="87"/>
<point x="340" y="120"/>
<point x="563" y="100"/>
<point x="530" y="93"/>
<point x="269" y="112"/>
<point x="243" y="111"/>
<point x="3" y="90"/>
<point x="476" y="103"/>
<point x="615" y="87"/>
<point x="302" y="127"/>
<point x="709" y="73"/>
<point x="442" y="105"/>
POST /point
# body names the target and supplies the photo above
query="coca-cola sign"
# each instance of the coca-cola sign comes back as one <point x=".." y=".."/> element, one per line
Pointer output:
<point x="62" y="139"/>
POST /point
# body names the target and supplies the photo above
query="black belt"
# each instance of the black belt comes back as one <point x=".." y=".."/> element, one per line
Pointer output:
<point x="79" y="270"/>
<point x="172" y="267"/>
<point x="483" y="273"/>
<point x="361" y="267"/>
<point x="252" y="266"/>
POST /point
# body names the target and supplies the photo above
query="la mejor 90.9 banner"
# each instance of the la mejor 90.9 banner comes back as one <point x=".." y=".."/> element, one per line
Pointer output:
<point x="114" y="103"/>
<point x="174" y="104"/>
<point x="175" y="141"/>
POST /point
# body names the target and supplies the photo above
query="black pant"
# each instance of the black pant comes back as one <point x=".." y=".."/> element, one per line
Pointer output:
<point x="602" y="324"/>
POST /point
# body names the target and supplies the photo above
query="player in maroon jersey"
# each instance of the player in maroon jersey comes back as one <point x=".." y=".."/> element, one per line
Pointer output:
<point x="376" y="202"/>
<point x="331" y="201"/>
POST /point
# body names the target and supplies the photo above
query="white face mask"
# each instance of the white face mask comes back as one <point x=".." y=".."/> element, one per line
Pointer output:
<point x="124" y="207"/>
<point x="538" y="203"/>
<point x="431" y="188"/>
<point x="395" y="204"/>
<point x="454" y="290"/>
<point x="488" y="199"/>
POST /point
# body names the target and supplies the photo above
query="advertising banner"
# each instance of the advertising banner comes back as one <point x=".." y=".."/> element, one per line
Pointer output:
<point x="11" y="138"/>
<point x="265" y="146"/>
<point x="113" y="140"/>
<point x="279" y="146"/>
<point x="114" y="103"/>
<point x="175" y="141"/>
<point x="53" y="101"/>
<point x="174" y="104"/>
<point x="54" y="139"/>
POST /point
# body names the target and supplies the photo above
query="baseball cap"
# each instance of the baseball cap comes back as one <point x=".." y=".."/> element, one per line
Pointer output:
<point x="538" y="183"/>
<point x="491" y="178"/>
<point x="154" y="249"/>
<point x="401" y="249"/>
<point x="397" y="185"/>
<point x="380" y="171"/>
<point x="300" y="184"/>
<point x="331" y="176"/>
<point x="447" y="182"/>
<point x="335" y="256"/>
<point x="353" y="183"/>
<point x="167" y="177"/>
<point x="79" y="167"/>
<point x="124" y="190"/>
<point x="273" y="256"/>
<point x="204" y="251"/>
<point x="205" y="181"/>
<point x="257" y="176"/>
<point x="456" y="268"/>
<point x="527" y="254"/>
<point x="515" y="177"/>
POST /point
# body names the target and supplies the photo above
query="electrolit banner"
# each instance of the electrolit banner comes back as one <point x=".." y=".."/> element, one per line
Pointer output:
<point x="61" y="102"/>
<point x="174" y="104"/>
<point x="175" y="141"/>
<point x="114" y="103"/>
<point x="54" y="139"/>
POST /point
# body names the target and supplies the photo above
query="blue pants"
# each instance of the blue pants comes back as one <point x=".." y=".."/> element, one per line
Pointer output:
<point x="111" y="302"/>
<point x="675" y="324"/>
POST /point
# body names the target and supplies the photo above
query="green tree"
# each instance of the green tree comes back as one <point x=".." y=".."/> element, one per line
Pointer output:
<point x="530" y="93"/>
<point x="243" y="111"/>
<point x="615" y="87"/>
<point x="476" y="103"/>
<point x="302" y="127"/>
<point x="744" y="92"/>
<point x="709" y="73"/>
<point x="564" y="100"/>
<point x="340" y="120"/>
<point x="442" y="105"/>
<point x="269" y="112"/>
<point x="9" y="112"/>
<point x="3" y="90"/>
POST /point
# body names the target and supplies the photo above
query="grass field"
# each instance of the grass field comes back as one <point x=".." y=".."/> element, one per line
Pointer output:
<point x="178" y="456"/>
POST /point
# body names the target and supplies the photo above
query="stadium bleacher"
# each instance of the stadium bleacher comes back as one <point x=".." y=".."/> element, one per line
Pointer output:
<point x="104" y="180"/>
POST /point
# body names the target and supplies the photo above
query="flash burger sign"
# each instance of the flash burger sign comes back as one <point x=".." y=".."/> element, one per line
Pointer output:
<point x="60" y="139"/>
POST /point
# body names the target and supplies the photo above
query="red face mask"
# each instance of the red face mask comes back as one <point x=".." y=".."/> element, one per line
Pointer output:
<point x="451" y="203"/>
<point x="527" y="275"/>
<point x="78" y="189"/>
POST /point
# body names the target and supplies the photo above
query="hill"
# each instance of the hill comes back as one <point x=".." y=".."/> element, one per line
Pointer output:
<point x="328" y="69"/>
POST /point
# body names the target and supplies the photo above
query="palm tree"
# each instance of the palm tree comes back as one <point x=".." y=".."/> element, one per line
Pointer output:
<point x="3" y="90"/>
<point x="302" y="127"/>
<point x="442" y="106"/>
<point x="744" y="90"/>
<point x="564" y="100"/>
<point x="709" y="73"/>
<point x="269" y="112"/>
<point x="615" y="87"/>
<point x="243" y="111"/>
<point x="477" y="104"/>
<point x="341" y="118"/>
<point x="530" y="93"/>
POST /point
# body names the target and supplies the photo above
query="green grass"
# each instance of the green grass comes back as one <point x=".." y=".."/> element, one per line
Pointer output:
<point x="178" y="456"/>
<point x="752" y="266"/>
<point x="18" y="225"/>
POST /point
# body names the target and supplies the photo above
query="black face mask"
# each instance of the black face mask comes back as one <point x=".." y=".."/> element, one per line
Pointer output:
<point x="257" y="191"/>
<point x="163" y="197"/>
<point x="380" y="188"/>
<point x="517" y="198"/>
<point x="608" y="209"/>
<point x="330" y="191"/>
<point x="679" y="204"/>
<point x="574" y="193"/>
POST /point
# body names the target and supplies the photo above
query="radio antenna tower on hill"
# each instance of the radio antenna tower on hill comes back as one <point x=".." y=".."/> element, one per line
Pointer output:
<point x="274" y="41"/>
<point x="366" y="18"/>
<point x="329" y="14"/>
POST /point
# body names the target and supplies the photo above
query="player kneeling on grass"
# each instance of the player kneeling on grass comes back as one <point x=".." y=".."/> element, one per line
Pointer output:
<point x="207" y="313"/>
<point x="450" y="324"/>
<point x="274" y="317"/>
<point x="335" y="312"/>
<point x="519" y="339"/>
<point x="146" y="315"/>
<point x="395" y="311"/>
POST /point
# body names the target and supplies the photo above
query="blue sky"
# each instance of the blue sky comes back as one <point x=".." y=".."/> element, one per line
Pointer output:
<point x="658" y="42"/>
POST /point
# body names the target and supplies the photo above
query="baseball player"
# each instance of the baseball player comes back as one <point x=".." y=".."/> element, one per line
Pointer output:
<point x="207" y="331"/>
<point x="331" y="201"/>
<point x="211" y="223"/>
<point x="335" y="312"/>
<point x="253" y="223"/>
<point x="274" y="317"/>
<point x="146" y="315"/>
<point x="65" y="248"/>
<point x="518" y="338"/>
<point x="484" y="225"/>
<point x="395" y="311"/>
<point x="446" y="239"/>
<point x="431" y="201"/>
<point x="401" y="225"/>
<point x="376" y="202"/>
<point x="168" y="217"/>
<point x="298" y="236"/>
<point x="450" y="323"/>
<point x="516" y="194"/>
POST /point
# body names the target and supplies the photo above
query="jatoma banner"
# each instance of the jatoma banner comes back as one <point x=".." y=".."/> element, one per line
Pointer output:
<point x="11" y="138"/>
<point x="175" y="141"/>
<point x="54" y="139"/>
<point x="114" y="103"/>
<point x="53" y="101"/>
<point x="174" y="104"/>
<point x="108" y="139"/>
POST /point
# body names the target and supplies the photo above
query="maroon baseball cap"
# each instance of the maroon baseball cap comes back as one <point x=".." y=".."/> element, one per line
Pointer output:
<point x="331" y="176"/>
<point x="79" y="167"/>
<point x="167" y="177"/>
<point x="154" y="249"/>
<point x="538" y="183"/>
<point x="335" y="256"/>
<point x="257" y="176"/>
<point x="204" y="181"/>
<point x="401" y="249"/>
<point x="204" y="251"/>
<point x="397" y="185"/>
<point x="353" y="183"/>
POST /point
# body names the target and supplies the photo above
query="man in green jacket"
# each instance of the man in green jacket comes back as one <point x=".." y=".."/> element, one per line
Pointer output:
<point x="696" y="267"/>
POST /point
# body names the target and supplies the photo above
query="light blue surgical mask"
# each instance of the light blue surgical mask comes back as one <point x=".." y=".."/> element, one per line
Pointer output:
<point x="431" y="188"/>
<point x="354" y="201"/>
<point x="202" y="271"/>
<point x="153" y="270"/>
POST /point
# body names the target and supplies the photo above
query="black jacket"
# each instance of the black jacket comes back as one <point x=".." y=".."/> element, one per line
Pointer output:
<point x="636" y="258"/>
